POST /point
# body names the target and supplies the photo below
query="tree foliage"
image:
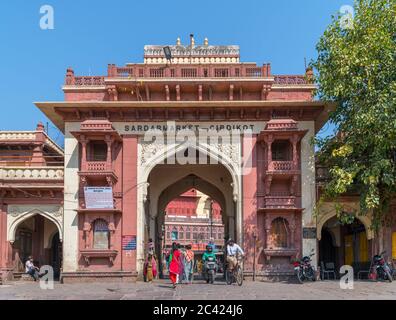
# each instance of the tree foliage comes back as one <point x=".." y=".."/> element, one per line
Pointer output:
<point x="356" y="69"/>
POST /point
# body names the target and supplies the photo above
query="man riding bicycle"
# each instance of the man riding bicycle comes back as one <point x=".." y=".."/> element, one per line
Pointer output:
<point x="232" y="252"/>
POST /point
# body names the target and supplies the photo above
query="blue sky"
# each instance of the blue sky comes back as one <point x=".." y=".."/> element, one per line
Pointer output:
<point x="90" y="34"/>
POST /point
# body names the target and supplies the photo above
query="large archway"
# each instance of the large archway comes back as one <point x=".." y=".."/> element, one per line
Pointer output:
<point x="191" y="183"/>
<point x="161" y="177"/>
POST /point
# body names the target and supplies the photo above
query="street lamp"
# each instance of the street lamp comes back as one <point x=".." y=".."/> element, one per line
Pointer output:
<point x="168" y="53"/>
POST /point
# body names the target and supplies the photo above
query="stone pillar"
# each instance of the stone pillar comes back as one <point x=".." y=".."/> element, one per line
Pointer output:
<point x="249" y="201"/>
<point x="109" y="156"/>
<point x="6" y="264"/>
<point x="38" y="156"/>
<point x="308" y="186"/>
<point x="294" y="142"/>
<point x="71" y="192"/>
<point x="269" y="141"/>
<point x="3" y="237"/>
<point x="231" y="228"/>
<point x="84" y="143"/>
<point x="129" y="199"/>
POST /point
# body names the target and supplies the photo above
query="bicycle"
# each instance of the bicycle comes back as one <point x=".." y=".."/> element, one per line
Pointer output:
<point x="236" y="275"/>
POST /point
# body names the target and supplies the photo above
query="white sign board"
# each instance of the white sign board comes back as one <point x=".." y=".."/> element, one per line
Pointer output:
<point x="99" y="198"/>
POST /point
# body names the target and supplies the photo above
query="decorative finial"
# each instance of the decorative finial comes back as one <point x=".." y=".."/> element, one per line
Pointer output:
<point x="178" y="41"/>
<point x="40" y="127"/>
<point x="206" y="42"/>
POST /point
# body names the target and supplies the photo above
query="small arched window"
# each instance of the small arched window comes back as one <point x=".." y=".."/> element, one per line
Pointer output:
<point x="279" y="231"/>
<point x="175" y="234"/>
<point x="181" y="233"/>
<point x="188" y="233"/>
<point x="101" y="234"/>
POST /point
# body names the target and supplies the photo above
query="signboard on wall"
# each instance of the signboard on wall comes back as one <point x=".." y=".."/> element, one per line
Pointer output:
<point x="309" y="233"/>
<point x="129" y="242"/>
<point x="99" y="197"/>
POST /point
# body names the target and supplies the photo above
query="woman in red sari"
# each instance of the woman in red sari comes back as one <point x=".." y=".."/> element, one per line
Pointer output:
<point x="174" y="264"/>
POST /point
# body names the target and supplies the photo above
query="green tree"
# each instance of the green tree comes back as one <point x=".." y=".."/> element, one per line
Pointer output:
<point x="356" y="69"/>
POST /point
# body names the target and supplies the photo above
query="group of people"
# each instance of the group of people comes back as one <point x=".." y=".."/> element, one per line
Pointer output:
<point x="181" y="262"/>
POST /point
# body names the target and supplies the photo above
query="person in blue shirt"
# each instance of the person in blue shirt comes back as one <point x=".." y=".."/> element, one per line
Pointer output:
<point x="212" y="244"/>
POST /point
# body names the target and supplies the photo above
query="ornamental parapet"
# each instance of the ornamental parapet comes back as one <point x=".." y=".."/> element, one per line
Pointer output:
<point x="32" y="173"/>
<point x="21" y="135"/>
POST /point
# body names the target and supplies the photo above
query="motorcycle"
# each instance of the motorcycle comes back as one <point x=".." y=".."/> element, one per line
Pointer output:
<point x="304" y="270"/>
<point x="210" y="270"/>
<point x="381" y="267"/>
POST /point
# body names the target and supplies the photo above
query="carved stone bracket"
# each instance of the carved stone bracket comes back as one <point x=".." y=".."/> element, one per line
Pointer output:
<point x="89" y="254"/>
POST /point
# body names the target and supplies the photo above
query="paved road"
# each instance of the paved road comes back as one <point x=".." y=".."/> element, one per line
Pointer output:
<point x="161" y="290"/>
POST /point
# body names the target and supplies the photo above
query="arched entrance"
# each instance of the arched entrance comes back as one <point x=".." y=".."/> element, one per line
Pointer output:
<point x="162" y="178"/>
<point x="212" y="180"/>
<point x="345" y="244"/>
<point x="36" y="235"/>
<point x="194" y="219"/>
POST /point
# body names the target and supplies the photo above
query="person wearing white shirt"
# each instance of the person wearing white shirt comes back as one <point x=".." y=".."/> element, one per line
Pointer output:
<point x="31" y="269"/>
<point x="233" y="250"/>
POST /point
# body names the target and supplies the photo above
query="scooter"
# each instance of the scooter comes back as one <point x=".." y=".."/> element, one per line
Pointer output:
<point x="381" y="267"/>
<point x="304" y="270"/>
<point x="210" y="270"/>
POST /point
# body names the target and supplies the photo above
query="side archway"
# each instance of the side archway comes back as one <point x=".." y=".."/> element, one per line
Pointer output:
<point x="331" y="212"/>
<point x="18" y="214"/>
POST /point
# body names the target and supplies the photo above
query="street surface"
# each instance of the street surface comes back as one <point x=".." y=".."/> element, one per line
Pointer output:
<point x="161" y="290"/>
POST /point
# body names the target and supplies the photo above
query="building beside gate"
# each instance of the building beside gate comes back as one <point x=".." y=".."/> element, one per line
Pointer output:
<point x="136" y="136"/>
<point x="193" y="218"/>
<point x="31" y="200"/>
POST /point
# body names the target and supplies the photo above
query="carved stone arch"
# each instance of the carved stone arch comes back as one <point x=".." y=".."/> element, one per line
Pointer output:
<point x="51" y="237"/>
<point x="169" y="151"/>
<point x="364" y="219"/>
<point x="19" y="216"/>
<point x="227" y="154"/>
<point x="183" y="185"/>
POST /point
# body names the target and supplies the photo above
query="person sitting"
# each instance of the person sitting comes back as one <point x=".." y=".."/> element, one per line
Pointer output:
<point x="31" y="269"/>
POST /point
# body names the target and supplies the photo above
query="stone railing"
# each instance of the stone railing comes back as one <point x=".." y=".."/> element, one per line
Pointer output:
<point x="190" y="71"/>
<point x="96" y="166"/>
<point x="190" y="220"/>
<point x="31" y="173"/>
<point x="280" y="166"/>
<point x="22" y="135"/>
<point x="290" y="80"/>
<point x="285" y="125"/>
<point x="88" y="81"/>
<point x="279" y="201"/>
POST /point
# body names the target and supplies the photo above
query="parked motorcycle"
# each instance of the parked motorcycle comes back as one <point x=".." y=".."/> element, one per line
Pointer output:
<point x="381" y="267"/>
<point x="304" y="270"/>
<point x="210" y="270"/>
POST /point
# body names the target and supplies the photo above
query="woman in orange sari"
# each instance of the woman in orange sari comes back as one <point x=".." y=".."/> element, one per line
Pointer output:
<point x="174" y="264"/>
